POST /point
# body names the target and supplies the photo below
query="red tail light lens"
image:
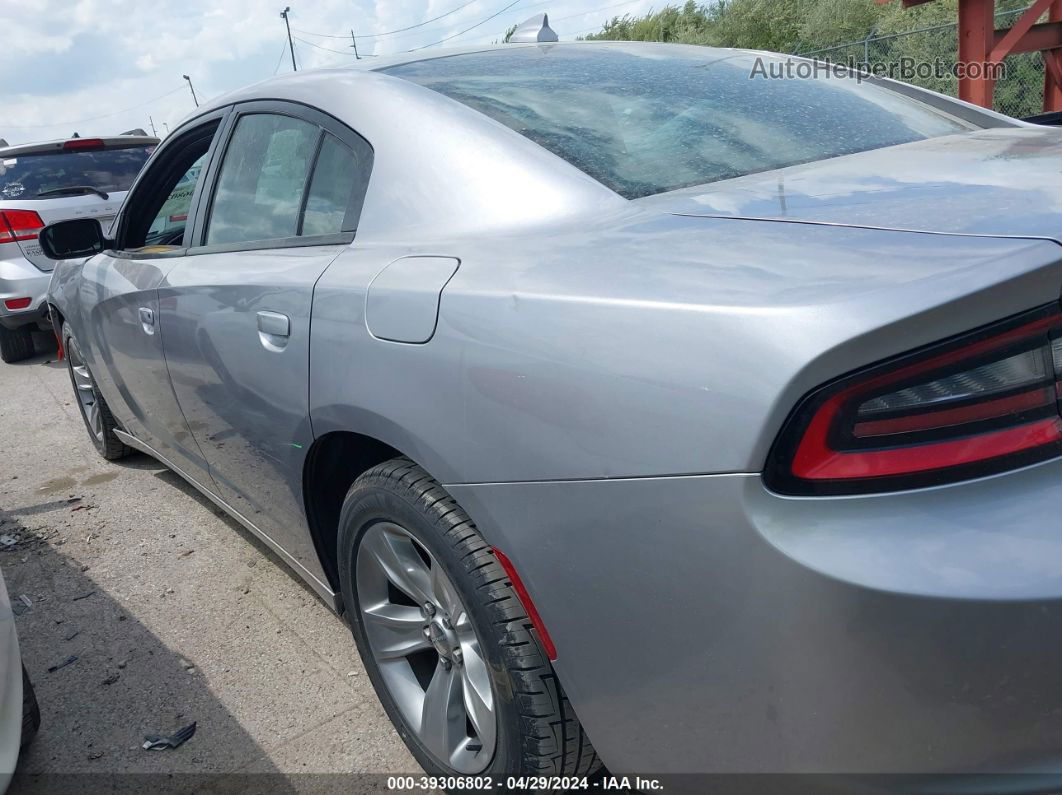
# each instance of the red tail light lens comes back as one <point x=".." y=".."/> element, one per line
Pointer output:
<point x="19" y="225"/>
<point x="18" y="303"/>
<point x="978" y="404"/>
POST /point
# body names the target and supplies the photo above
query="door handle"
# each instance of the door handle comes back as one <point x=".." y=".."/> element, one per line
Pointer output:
<point x="273" y="330"/>
<point x="274" y="323"/>
<point x="147" y="320"/>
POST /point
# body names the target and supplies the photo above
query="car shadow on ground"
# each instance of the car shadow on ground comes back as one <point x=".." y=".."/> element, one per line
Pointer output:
<point x="104" y="681"/>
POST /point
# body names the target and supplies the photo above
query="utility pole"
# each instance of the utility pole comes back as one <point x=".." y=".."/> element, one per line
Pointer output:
<point x="152" y="121"/>
<point x="354" y="45"/>
<point x="291" y="45"/>
<point x="196" y="101"/>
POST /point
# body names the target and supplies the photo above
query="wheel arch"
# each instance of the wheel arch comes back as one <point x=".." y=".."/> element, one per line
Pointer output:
<point x="334" y="462"/>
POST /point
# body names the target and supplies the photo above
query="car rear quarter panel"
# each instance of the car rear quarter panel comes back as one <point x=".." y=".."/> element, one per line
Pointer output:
<point x="600" y="400"/>
<point x="671" y="346"/>
<point x="704" y="624"/>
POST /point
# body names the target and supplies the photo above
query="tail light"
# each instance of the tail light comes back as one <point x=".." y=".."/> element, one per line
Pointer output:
<point x="974" y="405"/>
<point x="19" y="225"/>
<point x="81" y="144"/>
<point x="18" y="303"/>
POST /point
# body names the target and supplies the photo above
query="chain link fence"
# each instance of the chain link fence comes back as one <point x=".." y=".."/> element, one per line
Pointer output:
<point x="924" y="57"/>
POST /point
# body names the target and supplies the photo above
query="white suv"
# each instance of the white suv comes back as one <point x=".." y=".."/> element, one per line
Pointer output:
<point x="45" y="182"/>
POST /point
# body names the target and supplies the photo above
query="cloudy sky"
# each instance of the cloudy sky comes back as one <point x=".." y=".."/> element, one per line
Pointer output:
<point x="104" y="66"/>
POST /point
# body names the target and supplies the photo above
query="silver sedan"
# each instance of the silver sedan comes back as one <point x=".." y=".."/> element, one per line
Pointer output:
<point x="635" y="403"/>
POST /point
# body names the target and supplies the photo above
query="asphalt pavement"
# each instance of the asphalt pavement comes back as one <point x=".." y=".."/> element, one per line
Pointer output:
<point x="174" y="613"/>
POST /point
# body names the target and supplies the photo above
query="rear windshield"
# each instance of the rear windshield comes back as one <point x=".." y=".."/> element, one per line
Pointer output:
<point x="28" y="176"/>
<point x="644" y="119"/>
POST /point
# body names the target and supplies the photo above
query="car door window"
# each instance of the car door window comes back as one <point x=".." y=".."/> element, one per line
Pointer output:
<point x="262" y="179"/>
<point x="172" y="217"/>
<point x="334" y="200"/>
<point x="165" y="190"/>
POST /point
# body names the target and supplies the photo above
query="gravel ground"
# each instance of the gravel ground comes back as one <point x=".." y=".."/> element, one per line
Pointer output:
<point x="174" y="614"/>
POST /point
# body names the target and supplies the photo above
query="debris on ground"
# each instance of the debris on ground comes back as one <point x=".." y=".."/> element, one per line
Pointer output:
<point x="73" y="635"/>
<point x="160" y="742"/>
<point x="82" y="596"/>
<point x="8" y="540"/>
<point x="68" y="661"/>
<point x="110" y="680"/>
<point x="22" y="605"/>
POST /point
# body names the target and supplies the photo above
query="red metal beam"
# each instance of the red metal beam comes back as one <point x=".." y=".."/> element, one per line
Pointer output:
<point x="1018" y="30"/>
<point x="1053" y="63"/>
<point x="981" y="45"/>
<point x="976" y="37"/>
<point x="1045" y="36"/>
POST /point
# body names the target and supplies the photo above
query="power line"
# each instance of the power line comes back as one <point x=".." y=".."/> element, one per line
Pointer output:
<point x="283" y="49"/>
<point x="466" y="30"/>
<point x="93" y="118"/>
<point x="389" y="32"/>
<point x="595" y="10"/>
<point x="318" y="46"/>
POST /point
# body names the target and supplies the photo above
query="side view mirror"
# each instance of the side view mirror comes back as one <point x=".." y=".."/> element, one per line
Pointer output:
<point x="79" y="237"/>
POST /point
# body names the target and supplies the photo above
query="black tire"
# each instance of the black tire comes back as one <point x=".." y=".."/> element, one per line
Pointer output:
<point x="31" y="712"/>
<point x="107" y="444"/>
<point x="538" y="733"/>
<point x="16" y="344"/>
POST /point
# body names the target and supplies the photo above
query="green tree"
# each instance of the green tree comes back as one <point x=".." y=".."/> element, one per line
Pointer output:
<point x="819" y="26"/>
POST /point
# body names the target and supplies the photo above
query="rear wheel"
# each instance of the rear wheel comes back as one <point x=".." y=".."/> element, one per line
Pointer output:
<point x="99" y="422"/>
<point x="16" y="344"/>
<point x="444" y="637"/>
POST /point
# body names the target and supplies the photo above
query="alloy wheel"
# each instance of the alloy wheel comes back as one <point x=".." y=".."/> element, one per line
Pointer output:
<point x="423" y="642"/>
<point x="85" y="389"/>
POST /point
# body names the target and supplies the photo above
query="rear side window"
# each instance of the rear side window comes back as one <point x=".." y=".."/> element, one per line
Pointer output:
<point x="335" y="191"/>
<point x="262" y="179"/>
<point x="644" y="119"/>
<point x="49" y="173"/>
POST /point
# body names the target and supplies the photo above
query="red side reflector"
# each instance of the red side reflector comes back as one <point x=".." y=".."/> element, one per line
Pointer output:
<point x="19" y="225"/>
<point x="18" y="303"/>
<point x="83" y="143"/>
<point x="529" y="606"/>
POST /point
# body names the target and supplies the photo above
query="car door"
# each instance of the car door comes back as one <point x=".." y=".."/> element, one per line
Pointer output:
<point x="285" y="199"/>
<point x="120" y="292"/>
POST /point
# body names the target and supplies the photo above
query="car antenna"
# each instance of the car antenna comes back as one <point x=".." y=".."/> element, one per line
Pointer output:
<point x="534" y="29"/>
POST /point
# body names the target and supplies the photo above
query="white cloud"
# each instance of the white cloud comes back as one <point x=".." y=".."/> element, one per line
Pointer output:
<point x="74" y="62"/>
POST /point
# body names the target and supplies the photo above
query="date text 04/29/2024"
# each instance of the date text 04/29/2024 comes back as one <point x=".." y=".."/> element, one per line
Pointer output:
<point x="522" y="783"/>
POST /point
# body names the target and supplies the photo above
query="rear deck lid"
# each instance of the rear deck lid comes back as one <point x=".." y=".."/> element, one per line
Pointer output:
<point x="1000" y="182"/>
